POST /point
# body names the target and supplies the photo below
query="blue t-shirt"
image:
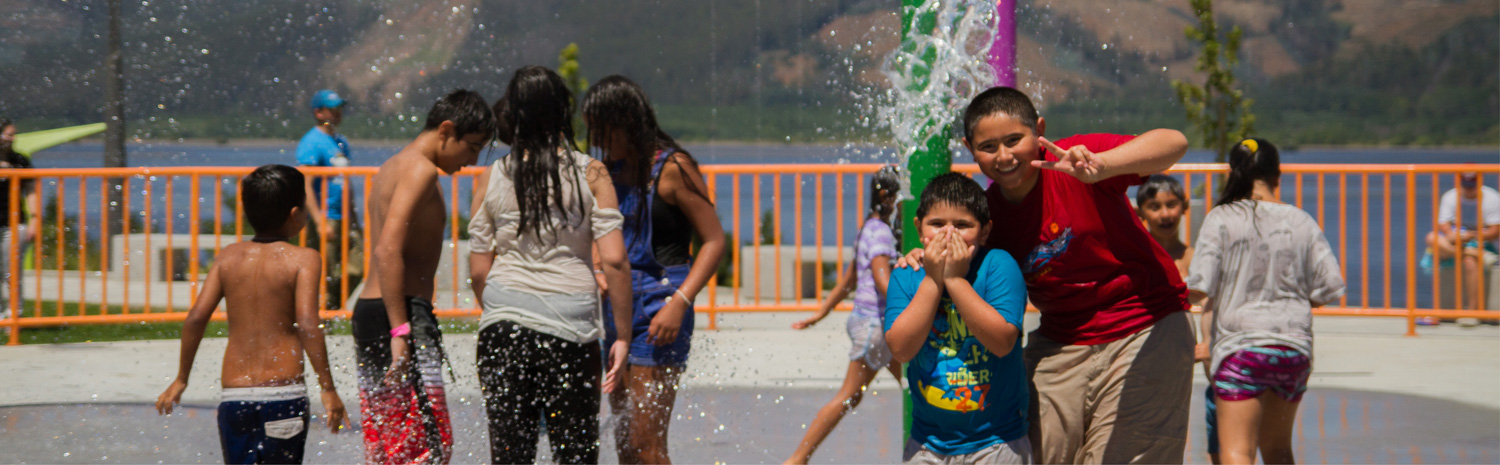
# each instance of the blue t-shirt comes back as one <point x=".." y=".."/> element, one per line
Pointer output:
<point x="319" y="149"/>
<point x="964" y="398"/>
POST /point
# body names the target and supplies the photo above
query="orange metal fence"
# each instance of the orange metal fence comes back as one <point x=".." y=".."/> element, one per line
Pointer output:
<point x="119" y="245"/>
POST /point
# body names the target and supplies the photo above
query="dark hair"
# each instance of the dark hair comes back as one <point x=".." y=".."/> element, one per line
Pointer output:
<point x="539" y="109"/>
<point x="1159" y="183"/>
<point x="504" y="132"/>
<point x="269" y="193"/>
<point x="466" y="109"/>
<point x="616" y="103"/>
<point x="1249" y="161"/>
<point x="958" y="190"/>
<point x="1005" y="100"/>
<point x="884" y="185"/>
<point x="7" y="147"/>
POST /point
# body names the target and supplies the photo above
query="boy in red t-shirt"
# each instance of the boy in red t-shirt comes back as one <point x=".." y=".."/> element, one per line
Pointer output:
<point x="1108" y="294"/>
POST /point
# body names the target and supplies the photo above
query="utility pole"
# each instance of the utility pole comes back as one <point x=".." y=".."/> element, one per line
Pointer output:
<point x="114" y="115"/>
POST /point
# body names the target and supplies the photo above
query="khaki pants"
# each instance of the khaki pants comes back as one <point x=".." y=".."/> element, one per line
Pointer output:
<point x="337" y="262"/>
<point x="1121" y="402"/>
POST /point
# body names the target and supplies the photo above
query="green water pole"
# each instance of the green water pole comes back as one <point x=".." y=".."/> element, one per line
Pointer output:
<point x="931" y="158"/>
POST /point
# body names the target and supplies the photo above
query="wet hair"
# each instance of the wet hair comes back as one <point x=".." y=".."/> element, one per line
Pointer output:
<point x="958" y="190"/>
<point x="6" y="147"/>
<point x="269" y="193"/>
<point x="1159" y="183"/>
<point x="466" y="109"/>
<point x="504" y="132"/>
<point x="885" y="184"/>
<point x="616" y="103"/>
<point x="1249" y="161"/>
<point x="539" y="109"/>
<point x="1005" y="100"/>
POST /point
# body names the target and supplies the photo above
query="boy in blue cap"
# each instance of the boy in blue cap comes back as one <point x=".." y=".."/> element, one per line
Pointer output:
<point x="324" y="146"/>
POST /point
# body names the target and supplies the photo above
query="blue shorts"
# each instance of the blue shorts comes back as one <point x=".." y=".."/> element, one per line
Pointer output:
<point x="264" y="424"/>
<point x="1211" y="419"/>
<point x="650" y="294"/>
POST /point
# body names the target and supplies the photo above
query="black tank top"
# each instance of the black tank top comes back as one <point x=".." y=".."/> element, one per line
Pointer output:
<point x="671" y="233"/>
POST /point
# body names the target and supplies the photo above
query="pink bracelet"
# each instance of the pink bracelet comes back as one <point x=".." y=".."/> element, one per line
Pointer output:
<point x="402" y="330"/>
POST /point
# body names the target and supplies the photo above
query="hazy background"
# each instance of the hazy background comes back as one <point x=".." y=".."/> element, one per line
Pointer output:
<point x="1357" y="72"/>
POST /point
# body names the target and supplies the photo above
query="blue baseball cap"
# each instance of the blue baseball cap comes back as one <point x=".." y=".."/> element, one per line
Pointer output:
<point x="326" y="99"/>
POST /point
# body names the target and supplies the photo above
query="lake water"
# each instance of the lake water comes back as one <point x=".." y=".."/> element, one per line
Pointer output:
<point x="1350" y="244"/>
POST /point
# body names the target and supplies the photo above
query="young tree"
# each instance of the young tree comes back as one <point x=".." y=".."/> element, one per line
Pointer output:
<point x="1220" y="112"/>
<point x="567" y="67"/>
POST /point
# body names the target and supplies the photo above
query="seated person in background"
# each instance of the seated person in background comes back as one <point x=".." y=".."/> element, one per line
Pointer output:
<point x="1458" y="232"/>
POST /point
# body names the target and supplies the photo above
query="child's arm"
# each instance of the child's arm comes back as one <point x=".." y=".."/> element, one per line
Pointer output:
<point x="984" y="320"/>
<point x="836" y="295"/>
<point x="880" y="269"/>
<point x="1202" y="352"/>
<point x="1149" y="153"/>
<point x="389" y="257"/>
<point x="909" y="331"/>
<point x="481" y="234"/>
<point x="192" y="335"/>
<point x="616" y="267"/>
<point x="686" y="189"/>
<point x="310" y="331"/>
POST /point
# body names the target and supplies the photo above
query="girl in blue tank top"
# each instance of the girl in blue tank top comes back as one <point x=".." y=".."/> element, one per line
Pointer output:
<point x="664" y="200"/>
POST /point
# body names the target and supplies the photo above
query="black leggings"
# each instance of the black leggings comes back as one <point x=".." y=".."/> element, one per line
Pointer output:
<point x="525" y="375"/>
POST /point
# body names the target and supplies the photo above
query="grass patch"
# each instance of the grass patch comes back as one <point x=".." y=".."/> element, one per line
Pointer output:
<point x="142" y="331"/>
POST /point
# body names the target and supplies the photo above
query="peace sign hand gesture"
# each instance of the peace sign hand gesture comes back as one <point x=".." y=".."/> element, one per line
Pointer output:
<point x="1077" y="161"/>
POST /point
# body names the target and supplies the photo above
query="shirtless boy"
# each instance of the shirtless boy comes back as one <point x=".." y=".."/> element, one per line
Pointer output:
<point x="270" y="289"/>
<point x="397" y="342"/>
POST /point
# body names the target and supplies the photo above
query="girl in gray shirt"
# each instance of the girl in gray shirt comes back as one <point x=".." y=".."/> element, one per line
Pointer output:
<point x="1259" y="269"/>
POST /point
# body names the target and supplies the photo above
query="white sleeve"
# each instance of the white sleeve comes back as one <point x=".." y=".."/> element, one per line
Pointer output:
<point x="604" y="220"/>
<point x="1203" y="273"/>
<point x="1448" y="207"/>
<point x="481" y="223"/>
<point x="1321" y="278"/>
<point x="1491" y="201"/>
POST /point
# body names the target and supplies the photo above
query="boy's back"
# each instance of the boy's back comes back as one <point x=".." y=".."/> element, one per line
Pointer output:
<point x="270" y="289"/>
<point x="259" y="282"/>
<point x="408" y="176"/>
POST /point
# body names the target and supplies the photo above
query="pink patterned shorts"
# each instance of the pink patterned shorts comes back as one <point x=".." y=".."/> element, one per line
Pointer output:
<point x="1280" y="369"/>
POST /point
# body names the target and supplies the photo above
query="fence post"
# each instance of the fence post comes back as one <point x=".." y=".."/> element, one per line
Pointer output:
<point x="1411" y="251"/>
<point x="14" y="265"/>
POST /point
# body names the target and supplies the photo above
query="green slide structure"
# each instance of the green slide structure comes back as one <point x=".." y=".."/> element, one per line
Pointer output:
<point x="33" y="142"/>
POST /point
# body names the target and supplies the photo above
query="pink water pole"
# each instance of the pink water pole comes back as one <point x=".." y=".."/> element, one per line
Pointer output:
<point x="1003" y="52"/>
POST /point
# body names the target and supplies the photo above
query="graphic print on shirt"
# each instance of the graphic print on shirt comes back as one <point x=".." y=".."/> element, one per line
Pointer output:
<point x="1037" y="260"/>
<point x="955" y="386"/>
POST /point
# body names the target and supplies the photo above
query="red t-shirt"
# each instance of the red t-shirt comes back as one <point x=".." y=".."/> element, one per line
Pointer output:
<point x="1090" y="266"/>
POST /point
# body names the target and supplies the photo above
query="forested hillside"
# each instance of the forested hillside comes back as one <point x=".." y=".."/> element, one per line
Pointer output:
<point x="1320" y="71"/>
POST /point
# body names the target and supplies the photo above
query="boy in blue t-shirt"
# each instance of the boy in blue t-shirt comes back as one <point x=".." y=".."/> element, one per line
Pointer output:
<point x="958" y="322"/>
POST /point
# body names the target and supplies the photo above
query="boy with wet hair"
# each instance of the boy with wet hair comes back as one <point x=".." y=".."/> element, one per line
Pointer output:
<point x="958" y="323"/>
<point x="397" y="342"/>
<point x="270" y="289"/>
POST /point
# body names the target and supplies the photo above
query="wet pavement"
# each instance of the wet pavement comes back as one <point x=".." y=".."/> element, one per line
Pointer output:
<point x="1376" y="396"/>
<point x="754" y="425"/>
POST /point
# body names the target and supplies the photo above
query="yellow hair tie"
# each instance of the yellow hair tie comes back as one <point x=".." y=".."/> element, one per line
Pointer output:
<point x="1251" y="144"/>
